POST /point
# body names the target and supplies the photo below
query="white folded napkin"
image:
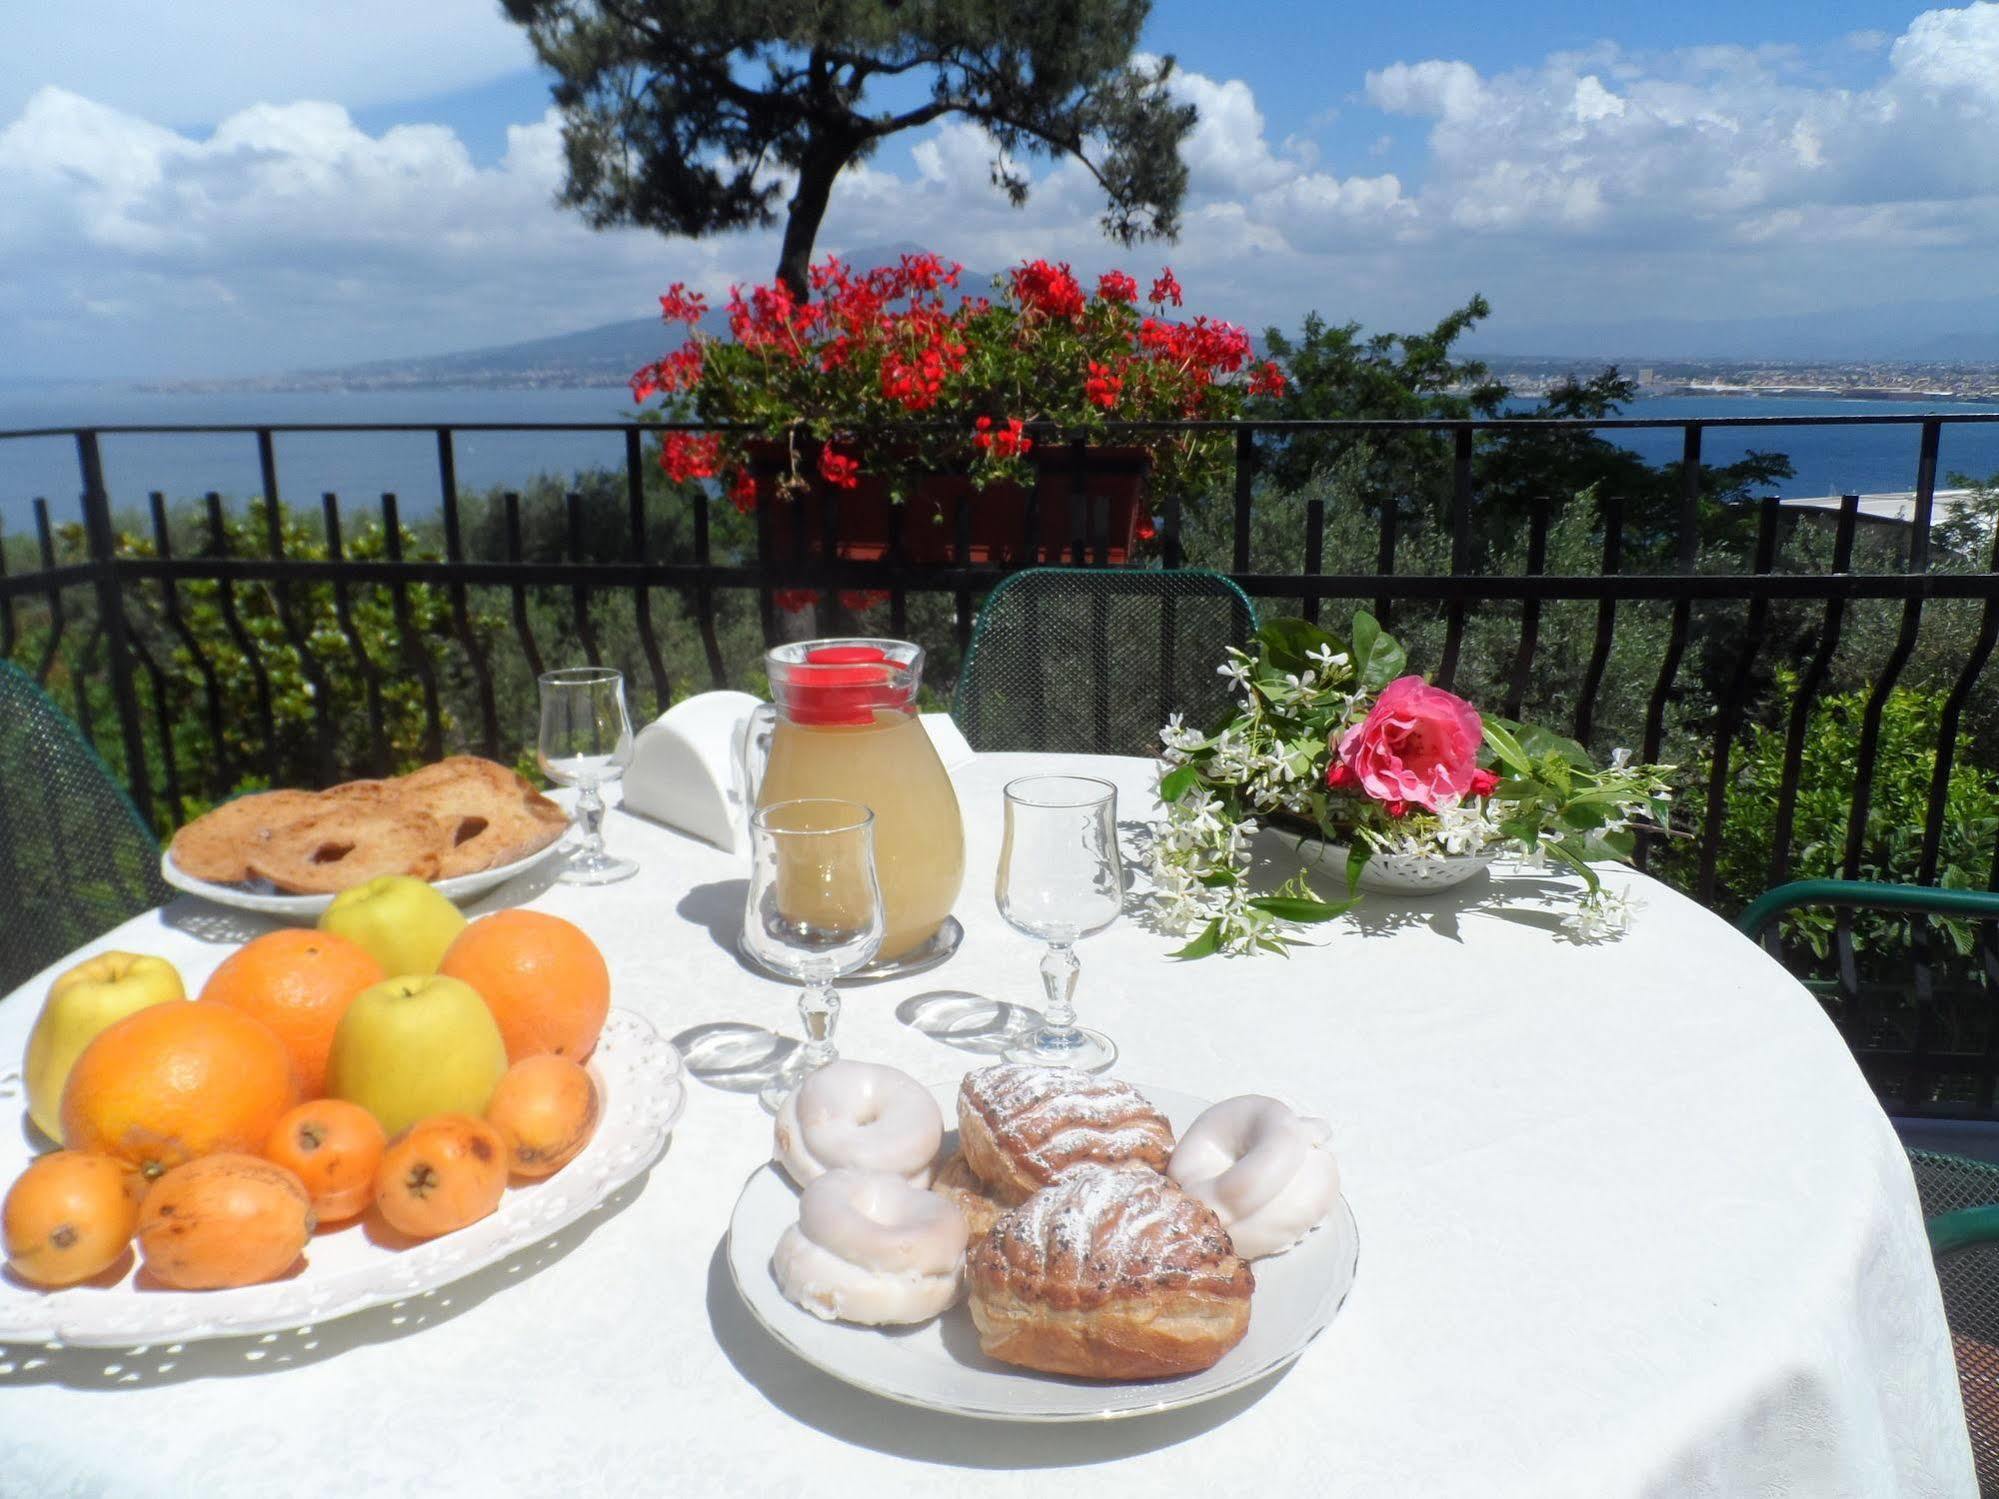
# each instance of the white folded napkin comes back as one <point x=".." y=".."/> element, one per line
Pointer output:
<point x="686" y="769"/>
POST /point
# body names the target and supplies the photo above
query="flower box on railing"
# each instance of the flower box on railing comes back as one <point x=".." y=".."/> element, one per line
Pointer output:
<point x="1108" y="513"/>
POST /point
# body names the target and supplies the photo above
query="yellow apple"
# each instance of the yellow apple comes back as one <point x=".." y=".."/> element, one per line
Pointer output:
<point x="404" y="923"/>
<point x="82" y="1002"/>
<point x="415" y="1046"/>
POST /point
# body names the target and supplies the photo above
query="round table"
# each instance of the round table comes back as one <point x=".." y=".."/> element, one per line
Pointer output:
<point x="1631" y="1223"/>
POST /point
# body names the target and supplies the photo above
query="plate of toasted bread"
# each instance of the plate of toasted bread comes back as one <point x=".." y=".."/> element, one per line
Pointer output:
<point x="465" y="824"/>
<point x="1075" y="1249"/>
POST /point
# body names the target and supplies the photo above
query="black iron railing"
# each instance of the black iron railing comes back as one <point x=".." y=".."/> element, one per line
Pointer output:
<point x="127" y="661"/>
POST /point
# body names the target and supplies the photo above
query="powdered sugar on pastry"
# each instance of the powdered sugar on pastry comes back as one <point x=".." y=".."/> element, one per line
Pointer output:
<point x="1045" y="1121"/>
<point x="1101" y="1233"/>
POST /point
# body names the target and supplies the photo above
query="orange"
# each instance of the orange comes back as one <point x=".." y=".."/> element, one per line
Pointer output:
<point x="173" y="1082"/>
<point x="224" y="1220"/>
<point x="544" y="981"/>
<point x="441" y="1174"/>
<point x="545" y="1109"/>
<point x="69" y="1216"/>
<point x="333" y="1147"/>
<point x="298" y="982"/>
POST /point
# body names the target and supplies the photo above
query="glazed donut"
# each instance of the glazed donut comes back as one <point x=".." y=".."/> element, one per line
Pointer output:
<point x="868" y="1247"/>
<point x="859" y="1115"/>
<point x="1267" y="1172"/>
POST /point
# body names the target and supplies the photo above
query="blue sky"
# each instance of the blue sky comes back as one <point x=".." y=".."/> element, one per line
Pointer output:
<point x="225" y="186"/>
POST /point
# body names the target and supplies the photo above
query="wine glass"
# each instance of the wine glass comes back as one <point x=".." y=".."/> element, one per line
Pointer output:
<point x="1061" y="879"/>
<point x="813" y="914"/>
<point x="586" y="740"/>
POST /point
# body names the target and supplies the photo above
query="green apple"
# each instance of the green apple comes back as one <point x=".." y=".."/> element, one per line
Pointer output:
<point x="404" y="923"/>
<point x="415" y="1046"/>
<point x="88" y="998"/>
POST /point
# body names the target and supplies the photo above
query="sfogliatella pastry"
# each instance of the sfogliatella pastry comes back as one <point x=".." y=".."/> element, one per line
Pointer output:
<point x="869" y="1247"/>
<point x="957" y="1182"/>
<point x="859" y="1115"/>
<point x="1268" y="1172"/>
<point x="1021" y="1128"/>
<point x="1111" y="1273"/>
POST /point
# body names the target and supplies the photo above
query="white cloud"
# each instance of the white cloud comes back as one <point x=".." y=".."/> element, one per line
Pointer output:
<point x="1718" y="179"/>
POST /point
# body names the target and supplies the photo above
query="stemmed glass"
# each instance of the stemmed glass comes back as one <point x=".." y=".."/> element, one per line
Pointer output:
<point x="1061" y="879"/>
<point x="586" y="740"/>
<point x="813" y="914"/>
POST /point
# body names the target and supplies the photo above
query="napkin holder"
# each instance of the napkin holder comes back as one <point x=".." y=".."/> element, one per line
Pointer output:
<point x="686" y="769"/>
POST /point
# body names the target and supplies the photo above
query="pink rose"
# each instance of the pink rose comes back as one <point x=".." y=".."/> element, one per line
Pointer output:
<point x="1419" y="744"/>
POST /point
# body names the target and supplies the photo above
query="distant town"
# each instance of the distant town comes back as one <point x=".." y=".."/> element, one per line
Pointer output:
<point x="1853" y="380"/>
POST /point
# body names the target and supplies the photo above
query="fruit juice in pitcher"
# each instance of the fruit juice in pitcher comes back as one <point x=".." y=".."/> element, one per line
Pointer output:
<point x="844" y="724"/>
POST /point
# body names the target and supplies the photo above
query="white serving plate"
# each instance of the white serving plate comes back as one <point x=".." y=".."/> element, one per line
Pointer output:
<point x="460" y="888"/>
<point x="643" y="1090"/>
<point x="938" y="1365"/>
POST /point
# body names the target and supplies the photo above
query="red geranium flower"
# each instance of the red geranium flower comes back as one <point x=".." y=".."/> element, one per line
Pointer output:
<point x="1001" y="442"/>
<point x="1165" y="289"/>
<point x="1267" y="380"/>
<point x="792" y="600"/>
<point x="743" y="492"/>
<point x="1103" y="385"/>
<point x="680" y="305"/>
<point x="841" y="473"/>
<point x="1116" y="286"/>
<point x="1048" y="289"/>
<point x="685" y="456"/>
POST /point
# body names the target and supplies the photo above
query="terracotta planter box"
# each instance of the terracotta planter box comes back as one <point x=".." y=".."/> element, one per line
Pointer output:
<point x="863" y="518"/>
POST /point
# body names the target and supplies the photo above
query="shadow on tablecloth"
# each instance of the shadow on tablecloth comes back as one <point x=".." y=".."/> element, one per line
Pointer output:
<point x="222" y="1358"/>
<point x="854" y="1416"/>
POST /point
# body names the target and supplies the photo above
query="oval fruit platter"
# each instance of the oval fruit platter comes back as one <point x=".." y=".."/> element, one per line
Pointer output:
<point x="363" y="1263"/>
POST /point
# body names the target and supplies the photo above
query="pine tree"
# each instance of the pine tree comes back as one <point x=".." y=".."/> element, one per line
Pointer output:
<point x="678" y="113"/>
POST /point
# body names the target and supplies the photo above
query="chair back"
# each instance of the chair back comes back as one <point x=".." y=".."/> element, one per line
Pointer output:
<point x="75" y="857"/>
<point x="1093" y="660"/>
<point x="1910" y="976"/>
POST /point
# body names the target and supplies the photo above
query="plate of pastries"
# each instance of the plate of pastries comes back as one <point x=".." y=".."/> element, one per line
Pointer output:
<point x="1041" y="1244"/>
<point x="464" y="824"/>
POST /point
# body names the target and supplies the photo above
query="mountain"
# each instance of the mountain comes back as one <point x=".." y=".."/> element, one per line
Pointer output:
<point x="1963" y="331"/>
<point x="604" y="355"/>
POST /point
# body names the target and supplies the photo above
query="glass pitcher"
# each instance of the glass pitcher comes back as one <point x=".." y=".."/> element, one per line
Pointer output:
<point x="844" y="724"/>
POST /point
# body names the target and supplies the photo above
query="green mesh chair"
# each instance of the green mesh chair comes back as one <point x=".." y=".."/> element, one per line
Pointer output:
<point x="75" y="858"/>
<point x="1093" y="660"/>
<point x="1929" y="1053"/>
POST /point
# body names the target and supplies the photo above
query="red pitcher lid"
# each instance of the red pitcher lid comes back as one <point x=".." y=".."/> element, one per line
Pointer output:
<point x="841" y="682"/>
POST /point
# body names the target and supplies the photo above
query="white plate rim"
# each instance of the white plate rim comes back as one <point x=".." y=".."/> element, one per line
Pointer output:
<point x="460" y="887"/>
<point x="1181" y="1397"/>
<point x="638" y="1119"/>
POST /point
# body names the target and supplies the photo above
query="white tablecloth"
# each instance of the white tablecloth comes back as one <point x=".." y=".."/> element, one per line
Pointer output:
<point x="1631" y="1224"/>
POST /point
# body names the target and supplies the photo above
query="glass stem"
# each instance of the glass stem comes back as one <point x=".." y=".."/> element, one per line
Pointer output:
<point x="819" y="1012"/>
<point x="590" y="822"/>
<point x="1058" y="980"/>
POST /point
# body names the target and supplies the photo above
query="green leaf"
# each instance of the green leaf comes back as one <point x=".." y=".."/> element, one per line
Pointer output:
<point x="1508" y="749"/>
<point x="1290" y="908"/>
<point x="1358" y="853"/>
<point x="1287" y="642"/>
<point x="1208" y="943"/>
<point x="1177" y="783"/>
<point x="1622" y="844"/>
<point x="1574" y="859"/>
<point x="1378" y="658"/>
<point x="1536" y="741"/>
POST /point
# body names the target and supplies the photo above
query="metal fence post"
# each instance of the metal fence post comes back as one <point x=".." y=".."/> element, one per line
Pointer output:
<point x="103" y="542"/>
